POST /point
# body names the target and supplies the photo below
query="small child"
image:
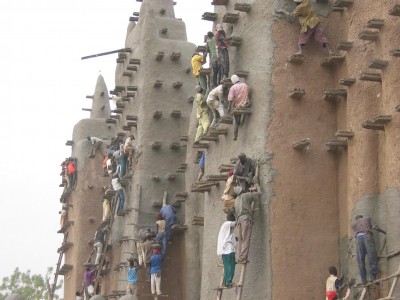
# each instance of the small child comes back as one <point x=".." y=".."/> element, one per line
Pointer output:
<point x="332" y="284"/>
<point x="132" y="278"/>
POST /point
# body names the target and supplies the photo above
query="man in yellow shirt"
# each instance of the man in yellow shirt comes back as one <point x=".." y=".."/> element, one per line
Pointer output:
<point x="310" y="25"/>
<point x="197" y="61"/>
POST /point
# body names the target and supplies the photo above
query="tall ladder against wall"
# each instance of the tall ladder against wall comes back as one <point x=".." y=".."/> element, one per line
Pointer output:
<point x="52" y="288"/>
<point x="240" y="284"/>
<point x="391" y="291"/>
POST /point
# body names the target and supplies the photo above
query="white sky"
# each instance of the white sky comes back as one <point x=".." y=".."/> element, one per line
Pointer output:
<point x="41" y="73"/>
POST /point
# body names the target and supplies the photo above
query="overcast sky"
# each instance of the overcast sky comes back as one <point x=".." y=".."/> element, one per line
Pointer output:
<point x="44" y="84"/>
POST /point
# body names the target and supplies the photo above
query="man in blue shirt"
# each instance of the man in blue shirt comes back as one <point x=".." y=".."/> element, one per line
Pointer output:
<point x="132" y="278"/>
<point x="155" y="270"/>
<point x="168" y="213"/>
<point x="202" y="163"/>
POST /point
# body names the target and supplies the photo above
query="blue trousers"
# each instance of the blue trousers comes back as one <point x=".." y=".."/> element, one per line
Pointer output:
<point x="366" y="246"/>
<point x="121" y="200"/>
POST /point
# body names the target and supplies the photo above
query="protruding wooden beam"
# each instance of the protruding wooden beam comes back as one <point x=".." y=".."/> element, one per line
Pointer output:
<point x="134" y="61"/>
<point x="297" y="93"/>
<point x="230" y="18"/>
<point x="225" y="168"/>
<point x="190" y="99"/>
<point x="296" y="59"/>
<point x="177" y="85"/>
<point x="132" y="88"/>
<point x="127" y="74"/>
<point x="244" y="7"/>
<point x="335" y="145"/>
<point x="171" y="177"/>
<point x="219" y="2"/>
<point x="242" y="73"/>
<point x="122" y="55"/>
<point x="219" y="177"/>
<point x="347" y="81"/>
<point x="337" y="9"/>
<point x="344" y="133"/>
<point x="184" y="138"/>
<point x="395" y="52"/>
<point x="368" y="35"/>
<point x="383" y="119"/>
<point x="158" y="84"/>
<point x="69" y="143"/>
<point x="162" y="11"/>
<point x="334" y="94"/>
<point x="131" y="118"/>
<point x="136" y="14"/>
<point x="226" y="120"/>
<point x="344" y="3"/>
<point x="375" y="23"/>
<point x="117" y="111"/>
<point x="86" y="109"/>
<point x="175" y="56"/>
<point x="371" y="125"/>
<point x="209" y="16"/>
<point x="395" y="11"/>
<point x="234" y="41"/>
<point x="344" y="45"/>
<point x="176" y="113"/>
<point x="119" y="88"/>
<point x="156" y="145"/>
<point x="133" y="19"/>
<point x="217" y="131"/>
<point x="89" y="97"/>
<point x="302" y="144"/>
<point x="65" y="269"/>
<point x="241" y="111"/>
<point x="155" y="178"/>
<point x="157" y="114"/>
<point x="378" y="64"/>
<point x="201" y="48"/>
<point x="131" y="124"/>
<point x="369" y="76"/>
<point x="201" y="145"/>
<point x="111" y="121"/>
<point x="209" y="138"/>
<point x="174" y="146"/>
<point x="332" y="60"/>
<point x="160" y="56"/>
<point x="164" y="30"/>
<point x="120" y="60"/>
<point x="131" y="68"/>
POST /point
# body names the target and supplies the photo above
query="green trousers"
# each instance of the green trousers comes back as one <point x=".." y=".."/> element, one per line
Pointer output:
<point x="202" y="81"/>
<point x="229" y="268"/>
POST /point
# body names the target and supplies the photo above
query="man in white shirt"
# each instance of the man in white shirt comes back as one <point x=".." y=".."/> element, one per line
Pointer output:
<point x="214" y="101"/>
<point x="117" y="186"/>
<point x="96" y="144"/>
<point x="226" y="249"/>
<point x="129" y="149"/>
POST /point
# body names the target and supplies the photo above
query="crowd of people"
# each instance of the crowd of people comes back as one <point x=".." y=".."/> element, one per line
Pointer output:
<point x="213" y="97"/>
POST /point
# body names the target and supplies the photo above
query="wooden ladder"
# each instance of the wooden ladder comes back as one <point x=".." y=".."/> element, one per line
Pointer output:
<point x="52" y="288"/>
<point x="238" y="286"/>
<point x="391" y="291"/>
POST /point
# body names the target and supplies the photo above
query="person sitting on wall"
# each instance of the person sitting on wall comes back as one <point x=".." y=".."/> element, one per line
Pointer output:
<point x="362" y="228"/>
<point x="226" y="245"/>
<point x="201" y="113"/>
<point x="168" y="213"/>
<point x="215" y="103"/>
<point x="96" y="143"/>
<point x="238" y="97"/>
<point x="310" y="25"/>
<point x="244" y="219"/>
<point x="197" y="61"/>
<point x="244" y="172"/>
<point x="117" y="186"/>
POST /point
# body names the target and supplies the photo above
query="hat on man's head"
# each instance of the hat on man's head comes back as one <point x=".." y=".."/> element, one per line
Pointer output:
<point x="235" y="78"/>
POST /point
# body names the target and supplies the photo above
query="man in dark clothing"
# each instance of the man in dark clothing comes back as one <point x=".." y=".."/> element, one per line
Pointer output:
<point x="244" y="220"/>
<point x="99" y="239"/>
<point x="244" y="171"/>
<point x="148" y="251"/>
<point x="362" y="228"/>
